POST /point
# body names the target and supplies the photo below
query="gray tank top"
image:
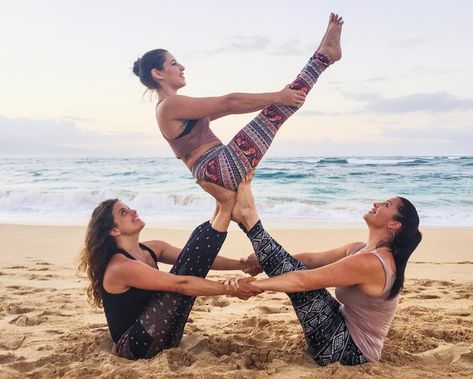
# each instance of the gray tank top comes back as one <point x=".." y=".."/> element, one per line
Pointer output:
<point x="368" y="318"/>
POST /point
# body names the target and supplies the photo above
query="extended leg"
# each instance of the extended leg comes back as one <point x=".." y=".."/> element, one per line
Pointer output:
<point x="161" y="324"/>
<point x="318" y="312"/>
<point x="227" y="165"/>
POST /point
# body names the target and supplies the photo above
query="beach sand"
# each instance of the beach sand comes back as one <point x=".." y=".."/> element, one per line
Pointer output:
<point x="48" y="330"/>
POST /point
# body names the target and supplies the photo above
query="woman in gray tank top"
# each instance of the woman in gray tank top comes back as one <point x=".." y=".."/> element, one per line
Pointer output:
<point x="368" y="278"/>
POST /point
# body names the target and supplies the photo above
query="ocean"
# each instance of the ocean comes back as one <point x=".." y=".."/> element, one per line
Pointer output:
<point x="297" y="191"/>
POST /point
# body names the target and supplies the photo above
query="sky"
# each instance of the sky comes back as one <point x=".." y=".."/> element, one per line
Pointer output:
<point x="404" y="85"/>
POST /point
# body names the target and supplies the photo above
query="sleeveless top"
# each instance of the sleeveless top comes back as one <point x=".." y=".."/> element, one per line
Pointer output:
<point x="196" y="133"/>
<point x="122" y="309"/>
<point x="368" y="318"/>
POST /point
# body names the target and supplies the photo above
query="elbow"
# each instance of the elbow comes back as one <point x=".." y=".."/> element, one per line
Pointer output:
<point x="183" y="285"/>
<point x="303" y="283"/>
<point x="230" y="103"/>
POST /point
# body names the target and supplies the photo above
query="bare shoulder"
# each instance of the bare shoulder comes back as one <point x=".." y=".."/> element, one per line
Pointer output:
<point x="157" y="246"/>
<point x="387" y="254"/>
<point x="349" y="247"/>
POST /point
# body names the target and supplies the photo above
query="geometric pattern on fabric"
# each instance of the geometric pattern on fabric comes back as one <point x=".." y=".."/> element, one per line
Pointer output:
<point x="161" y="323"/>
<point x="318" y="312"/>
<point x="226" y="165"/>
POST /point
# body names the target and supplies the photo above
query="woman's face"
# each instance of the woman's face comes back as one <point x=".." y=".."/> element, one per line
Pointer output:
<point x="383" y="213"/>
<point x="127" y="220"/>
<point x="172" y="73"/>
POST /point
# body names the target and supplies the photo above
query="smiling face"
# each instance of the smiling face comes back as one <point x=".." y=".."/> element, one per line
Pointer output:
<point x="172" y="73"/>
<point x="127" y="221"/>
<point x="382" y="214"/>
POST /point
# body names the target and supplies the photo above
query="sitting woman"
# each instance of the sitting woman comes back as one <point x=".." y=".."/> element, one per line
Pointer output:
<point x="368" y="278"/>
<point x="147" y="309"/>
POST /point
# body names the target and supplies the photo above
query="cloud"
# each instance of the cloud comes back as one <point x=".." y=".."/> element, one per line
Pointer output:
<point x="23" y="136"/>
<point x="291" y="47"/>
<point x="242" y="43"/>
<point x="447" y="134"/>
<point x="417" y="102"/>
<point x="410" y="42"/>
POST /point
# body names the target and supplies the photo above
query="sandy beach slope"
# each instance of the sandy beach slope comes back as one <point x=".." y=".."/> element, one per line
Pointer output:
<point x="48" y="330"/>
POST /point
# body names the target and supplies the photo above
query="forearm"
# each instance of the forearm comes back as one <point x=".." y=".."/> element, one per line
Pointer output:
<point x="195" y="286"/>
<point x="223" y="263"/>
<point x="251" y="102"/>
<point x="289" y="282"/>
<point x="310" y="260"/>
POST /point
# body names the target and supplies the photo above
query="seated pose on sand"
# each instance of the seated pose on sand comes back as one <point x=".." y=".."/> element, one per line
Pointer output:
<point x="147" y="309"/>
<point x="368" y="278"/>
<point x="184" y="121"/>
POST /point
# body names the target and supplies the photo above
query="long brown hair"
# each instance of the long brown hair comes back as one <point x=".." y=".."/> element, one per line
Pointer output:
<point x="404" y="242"/>
<point x="99" y="248"/>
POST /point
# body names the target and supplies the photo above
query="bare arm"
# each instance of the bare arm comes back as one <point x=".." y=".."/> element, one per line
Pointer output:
<point x="310" y="260"/>
<point x="184" y="107"/>
<point x="168" y="254"/>
<point x="363" y="269"/>
<point x="129" y="273"/>
<point x="324" y="258"/>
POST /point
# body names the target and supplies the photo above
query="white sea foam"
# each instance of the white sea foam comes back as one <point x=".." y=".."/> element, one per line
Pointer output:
<point x="311" y="189"/>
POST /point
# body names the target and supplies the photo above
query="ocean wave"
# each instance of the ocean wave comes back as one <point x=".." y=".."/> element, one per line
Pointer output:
<point x="332" y="161"/>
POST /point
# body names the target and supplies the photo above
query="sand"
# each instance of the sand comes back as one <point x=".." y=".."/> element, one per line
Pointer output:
<point x="48" y="330"/>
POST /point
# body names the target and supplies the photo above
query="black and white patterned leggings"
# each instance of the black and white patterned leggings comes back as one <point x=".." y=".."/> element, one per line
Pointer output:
<point x="161" y="323"/>
<point x="318" y="312"/>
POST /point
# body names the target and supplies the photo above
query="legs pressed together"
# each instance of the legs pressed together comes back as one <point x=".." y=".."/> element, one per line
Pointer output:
<point x="226" y="165"/>
<point x="161" y="323"/>
<point x="318" y="312"/>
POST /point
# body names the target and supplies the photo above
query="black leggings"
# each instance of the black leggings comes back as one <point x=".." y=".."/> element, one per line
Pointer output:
<point x="161" y="323"/>
<point x="318" y="312"/>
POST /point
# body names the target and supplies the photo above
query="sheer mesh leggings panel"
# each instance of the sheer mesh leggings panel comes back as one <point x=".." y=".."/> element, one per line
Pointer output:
<point x="161" y="324"/>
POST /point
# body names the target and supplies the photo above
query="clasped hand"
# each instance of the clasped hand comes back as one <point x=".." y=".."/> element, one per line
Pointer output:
<point x="241" y="287"/>
<point x="251" y="265"/>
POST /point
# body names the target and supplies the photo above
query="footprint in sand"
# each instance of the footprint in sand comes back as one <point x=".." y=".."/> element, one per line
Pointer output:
<point x="15" y="309"/>
<point x="266" y="310"/>
<point x="24" y="320"/>
<point x="427" y="297"/>
<point x="12" y="342"/>
<point x="39" y="269"/>
<point x="41" y="277"/>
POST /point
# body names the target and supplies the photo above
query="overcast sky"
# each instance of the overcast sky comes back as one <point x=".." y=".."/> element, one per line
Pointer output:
<point x="403" y="87"/>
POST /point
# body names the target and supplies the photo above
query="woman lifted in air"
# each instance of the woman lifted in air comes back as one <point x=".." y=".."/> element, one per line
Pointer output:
<point x="367" y="277"/>
<point x="184" y="121"/>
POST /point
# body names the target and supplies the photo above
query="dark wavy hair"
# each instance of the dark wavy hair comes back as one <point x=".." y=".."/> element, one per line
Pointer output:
<point x="99" y="248"/>
<point x="143" y="66"/>
<point x="404" y="242"/>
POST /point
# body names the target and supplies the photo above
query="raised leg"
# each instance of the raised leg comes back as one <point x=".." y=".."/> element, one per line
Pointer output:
<point x="227" y="165"/>
<point x="318" y="312"/>
<point x="161" y="324"/>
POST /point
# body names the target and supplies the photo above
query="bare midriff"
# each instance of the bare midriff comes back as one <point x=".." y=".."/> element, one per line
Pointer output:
<point x="197" y="153"/>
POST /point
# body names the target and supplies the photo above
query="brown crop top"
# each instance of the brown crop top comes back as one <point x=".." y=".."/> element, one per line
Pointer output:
<point x="196" y="133"/>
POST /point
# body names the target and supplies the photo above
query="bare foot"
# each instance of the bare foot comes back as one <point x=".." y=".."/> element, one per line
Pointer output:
<point x="244" y="210"/>
<point x="330" y="44"/>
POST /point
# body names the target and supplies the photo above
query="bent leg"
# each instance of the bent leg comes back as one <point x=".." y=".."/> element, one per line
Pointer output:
<point x="227" y="165"/>
<point x="318" y="312"/>
<point x="161" y="324"/>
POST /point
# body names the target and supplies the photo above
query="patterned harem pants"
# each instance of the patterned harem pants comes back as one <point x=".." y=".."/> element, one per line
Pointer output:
<point x="226" y="165"/>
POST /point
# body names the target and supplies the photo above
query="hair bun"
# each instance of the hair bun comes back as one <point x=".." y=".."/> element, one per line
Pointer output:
<point x="137" y="67"/>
